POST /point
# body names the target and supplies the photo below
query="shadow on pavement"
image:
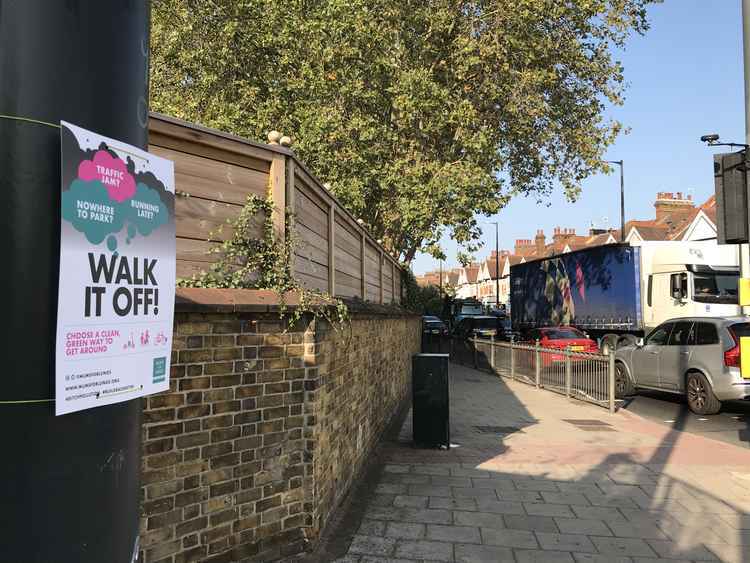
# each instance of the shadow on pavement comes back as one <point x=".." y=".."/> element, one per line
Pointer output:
<point x="730" y="425"/>
<point x="503" y="494"/>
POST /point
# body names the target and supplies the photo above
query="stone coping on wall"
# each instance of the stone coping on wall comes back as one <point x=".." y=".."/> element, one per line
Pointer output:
<point x="213" y="300"/>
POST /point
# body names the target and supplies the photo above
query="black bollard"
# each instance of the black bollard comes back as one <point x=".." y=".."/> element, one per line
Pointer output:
<point x="69" y="485"/>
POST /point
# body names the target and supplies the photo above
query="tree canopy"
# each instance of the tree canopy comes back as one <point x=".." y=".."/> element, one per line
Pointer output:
<point x="420" y="114"/>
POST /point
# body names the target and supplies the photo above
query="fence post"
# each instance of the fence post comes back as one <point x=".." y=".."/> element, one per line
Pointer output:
<point x="537" y="364"/>
<point x="611" y="382"/>
<point x="492" y="354"/>
<point x="277" y="187"/>
<point x="512" y="360"/>
<point x="476" y="363"/>
<point x="362" y="268"/>
<point x="568" y="372"/>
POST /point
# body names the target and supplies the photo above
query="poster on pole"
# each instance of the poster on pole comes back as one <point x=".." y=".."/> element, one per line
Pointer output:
<point x="117" y="272"/>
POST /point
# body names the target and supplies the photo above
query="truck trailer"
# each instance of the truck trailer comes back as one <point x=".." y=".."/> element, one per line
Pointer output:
<point x="618" y="292"/>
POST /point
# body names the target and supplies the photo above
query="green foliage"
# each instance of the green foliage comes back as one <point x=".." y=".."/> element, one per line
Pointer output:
<point x="421" y="114"/>
<point x="464" y="258"/>
<point x="244" y="261"/>
<point x="418" y="299"/>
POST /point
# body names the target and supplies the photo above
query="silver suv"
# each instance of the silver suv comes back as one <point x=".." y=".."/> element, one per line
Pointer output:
<point x="697" y="357"/>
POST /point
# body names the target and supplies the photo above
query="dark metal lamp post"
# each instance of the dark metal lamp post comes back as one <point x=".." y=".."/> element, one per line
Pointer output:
<point x="622" y="196"/>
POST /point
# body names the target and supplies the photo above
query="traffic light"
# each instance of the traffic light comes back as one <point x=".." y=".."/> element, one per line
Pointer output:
<point x="730" y="182"/>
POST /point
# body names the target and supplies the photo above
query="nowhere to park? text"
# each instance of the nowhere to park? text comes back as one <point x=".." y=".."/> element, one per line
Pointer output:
<point x="128" y="271"/>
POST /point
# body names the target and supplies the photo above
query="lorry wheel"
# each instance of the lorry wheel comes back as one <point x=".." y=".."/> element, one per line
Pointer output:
<point x="700" y="396"/>
<point x="623" y="385"/>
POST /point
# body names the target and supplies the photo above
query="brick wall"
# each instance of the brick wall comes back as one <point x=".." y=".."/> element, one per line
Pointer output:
<point x="263" y="431"/>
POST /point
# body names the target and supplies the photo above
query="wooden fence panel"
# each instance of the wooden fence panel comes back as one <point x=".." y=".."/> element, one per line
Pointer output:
<point x="372" y="273"/>
<point x="347" y="260"/>
<point x="397" y="285"/>
<point x="388" y="282"/>
<point x="213" y="179"/>
<point x="311" y="250"/>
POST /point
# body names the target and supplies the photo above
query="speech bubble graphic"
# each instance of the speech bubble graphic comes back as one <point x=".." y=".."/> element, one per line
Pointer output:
<point x="111" y="172"/>
<point x="146" y="210"/>
<point x="87" y="206"/>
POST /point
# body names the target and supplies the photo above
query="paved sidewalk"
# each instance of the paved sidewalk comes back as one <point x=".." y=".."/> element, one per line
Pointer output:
<point x="536" y="477"/>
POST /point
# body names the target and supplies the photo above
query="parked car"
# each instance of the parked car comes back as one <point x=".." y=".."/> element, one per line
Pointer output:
<point x="560" y="338"/>
<point x="698" y="357"/>
<point x="480" y="326"/>
<point x="433" y="325"/>
<point x="505" y="330"/>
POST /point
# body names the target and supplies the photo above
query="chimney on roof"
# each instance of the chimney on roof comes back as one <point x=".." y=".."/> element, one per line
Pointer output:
<point x="540" y="240"/>
<point x="523" y="246"/>
<point x="563" y="235"/>
<point x="668" y="202"/>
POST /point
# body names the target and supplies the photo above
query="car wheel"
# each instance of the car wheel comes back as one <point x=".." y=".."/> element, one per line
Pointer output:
<point x="700" y="396"/>
<point x="623" y="385"/>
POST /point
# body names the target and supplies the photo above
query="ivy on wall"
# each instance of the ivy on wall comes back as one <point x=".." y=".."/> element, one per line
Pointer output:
<point x="244" y="261"/>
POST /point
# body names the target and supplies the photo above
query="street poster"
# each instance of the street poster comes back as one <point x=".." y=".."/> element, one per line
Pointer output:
<point x="117" y="272"/>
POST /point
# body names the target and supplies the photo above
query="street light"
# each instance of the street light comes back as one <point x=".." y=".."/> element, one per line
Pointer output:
<point x="622" y="196"/>
<point x="497" y="262"/>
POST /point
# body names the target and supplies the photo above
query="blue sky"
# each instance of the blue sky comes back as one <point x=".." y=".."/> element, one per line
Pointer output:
<point x="685" y="79"/>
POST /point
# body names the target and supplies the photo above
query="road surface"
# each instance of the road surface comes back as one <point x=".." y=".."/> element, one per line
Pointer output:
<point x="731" y="425"/>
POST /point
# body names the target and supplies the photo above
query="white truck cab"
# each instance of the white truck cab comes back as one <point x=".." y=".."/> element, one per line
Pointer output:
<point x="687" y="279"/>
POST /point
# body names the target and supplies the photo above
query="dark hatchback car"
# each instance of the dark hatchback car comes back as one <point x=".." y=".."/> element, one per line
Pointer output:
<point x="505" y="330"/>
<point x="433" y="325"/>
<point x="480" y="326"/>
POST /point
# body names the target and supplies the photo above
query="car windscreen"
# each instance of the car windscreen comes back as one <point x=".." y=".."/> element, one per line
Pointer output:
<point x="715" y="287"/>
<point x="471" y="309"/>
<point x="562" y="333"/>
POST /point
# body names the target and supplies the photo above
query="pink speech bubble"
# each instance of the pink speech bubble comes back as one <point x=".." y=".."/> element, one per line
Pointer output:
<point x="110" y="171"/>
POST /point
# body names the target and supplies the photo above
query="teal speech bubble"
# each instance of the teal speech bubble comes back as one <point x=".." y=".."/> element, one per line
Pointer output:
<point x="87" y="206"/>
<point x="145" y="210"/>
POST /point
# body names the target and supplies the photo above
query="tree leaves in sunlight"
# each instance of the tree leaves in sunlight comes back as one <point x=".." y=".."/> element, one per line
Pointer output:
<point x="421" y="114"/>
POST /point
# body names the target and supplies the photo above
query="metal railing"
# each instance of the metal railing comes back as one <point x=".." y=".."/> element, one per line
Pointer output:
<point x="584" y="376"/>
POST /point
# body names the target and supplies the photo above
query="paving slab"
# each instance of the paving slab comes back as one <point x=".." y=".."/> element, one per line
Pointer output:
<point x="423" y="549"/>
<point x="509" y="538"/>
<point x="410" y="501"/>
<point x="483" y="554"/>
<point x="372" y="545"/>
<point x="453" y="533"/>
<point x="622" y="546"/>
<point x="479" y="519"/>
<point x="565" y="542"/>
<point x="583" y="526"/>
<point x="405" y="530"/>
<point x="530" y="523"/>
<point x="539" y="556"/>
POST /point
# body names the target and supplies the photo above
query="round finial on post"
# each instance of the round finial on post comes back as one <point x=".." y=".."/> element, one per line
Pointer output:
<point x="380" y="241"/>
<point x="274" y="137"/>
<point x="327" y="186"/>
<point x="285" y="141"/>
<point x="360" y="221"/>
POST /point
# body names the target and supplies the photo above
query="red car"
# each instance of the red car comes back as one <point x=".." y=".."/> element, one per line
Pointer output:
<point x="561" y="338"/>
